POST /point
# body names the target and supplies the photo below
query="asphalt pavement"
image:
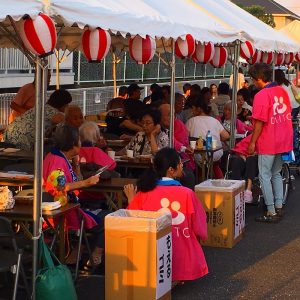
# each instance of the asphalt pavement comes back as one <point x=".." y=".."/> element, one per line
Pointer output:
<point x="265" y="264"/>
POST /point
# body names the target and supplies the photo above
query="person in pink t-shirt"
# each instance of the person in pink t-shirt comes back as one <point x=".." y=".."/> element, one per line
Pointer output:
<point x="24" y="100"/>
<point x="158" y="190"/>
<point x="272" y="136"/>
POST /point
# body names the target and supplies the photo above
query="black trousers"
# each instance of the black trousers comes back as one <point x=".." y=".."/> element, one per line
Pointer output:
<point x="243" y="169"/>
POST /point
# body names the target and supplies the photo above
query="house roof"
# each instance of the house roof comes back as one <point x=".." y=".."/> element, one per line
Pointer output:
<point x="271" y="7"/>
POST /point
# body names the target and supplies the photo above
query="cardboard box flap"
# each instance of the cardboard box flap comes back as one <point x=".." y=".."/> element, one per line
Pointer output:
<point x="220" y="185"/>
<point x="140" y="220"/>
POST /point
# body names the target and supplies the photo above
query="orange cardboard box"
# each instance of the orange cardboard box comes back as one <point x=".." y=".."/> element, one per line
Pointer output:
<point x="138" y="255"/>
<point x="223" y="201"/>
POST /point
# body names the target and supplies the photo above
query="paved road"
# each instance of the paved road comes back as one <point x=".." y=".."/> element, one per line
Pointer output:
<point x="265" y="264"/>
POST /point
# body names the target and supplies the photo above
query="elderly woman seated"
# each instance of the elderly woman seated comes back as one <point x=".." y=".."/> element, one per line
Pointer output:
<point x="241" y="127"/>
<point x="21" y="131"/>
<point x="151" y="139"/>
<point x="64" y="159"/>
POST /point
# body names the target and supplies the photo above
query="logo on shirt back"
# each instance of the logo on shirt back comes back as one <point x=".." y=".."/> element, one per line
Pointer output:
<point x="279" y="108"/>
<point x="175" y="206"/>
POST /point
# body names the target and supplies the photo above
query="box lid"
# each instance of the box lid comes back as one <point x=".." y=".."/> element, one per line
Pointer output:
<point x="138" y="220"/>
<point x="220" y="185"/>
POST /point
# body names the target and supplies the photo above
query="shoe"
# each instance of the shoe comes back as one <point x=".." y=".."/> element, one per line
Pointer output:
<point x="279" y="212"/>
<point x="248" y="196"/>
<point x="96" y="257"/>
<point x="268" y="218"/>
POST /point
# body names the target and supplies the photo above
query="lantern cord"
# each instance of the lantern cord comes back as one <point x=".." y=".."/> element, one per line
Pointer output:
<point x="168" y="62"/>
<point x="19" y="42"/>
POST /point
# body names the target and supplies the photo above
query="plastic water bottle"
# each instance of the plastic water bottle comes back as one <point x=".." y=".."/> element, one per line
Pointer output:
<point x="208" y="140"/>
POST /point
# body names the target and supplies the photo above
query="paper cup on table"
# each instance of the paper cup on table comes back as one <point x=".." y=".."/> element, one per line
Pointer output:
<point x="214" y="144"/>
<point x="129" y="153"/>
<point x="193" y="144"/>
<point x="111" y="154"/>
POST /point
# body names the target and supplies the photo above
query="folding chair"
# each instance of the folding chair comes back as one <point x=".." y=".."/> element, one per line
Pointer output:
<point x="11" y="255"/>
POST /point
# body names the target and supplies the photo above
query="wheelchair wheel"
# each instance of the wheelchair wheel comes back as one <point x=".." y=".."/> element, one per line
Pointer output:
<point x="286" y="180"/>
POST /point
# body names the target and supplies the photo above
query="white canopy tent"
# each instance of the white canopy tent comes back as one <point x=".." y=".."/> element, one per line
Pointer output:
<point x="167" y="19"/>
<point x="264" y="37"/>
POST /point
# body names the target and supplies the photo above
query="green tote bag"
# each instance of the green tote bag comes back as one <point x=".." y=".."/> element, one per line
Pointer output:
<point x="53" y="281"/>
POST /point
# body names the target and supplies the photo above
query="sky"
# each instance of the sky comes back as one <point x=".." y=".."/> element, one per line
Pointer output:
<point x="292" y="5"/>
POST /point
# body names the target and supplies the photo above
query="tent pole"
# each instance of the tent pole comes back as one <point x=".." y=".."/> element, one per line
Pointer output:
<point x="57" y="69"/>
<point x="234" y="93"/>
<point x="115" y="74"/>
<point x="297" y="74"/>
<point x="41" y="89"/>
<point x="172" y="102"/>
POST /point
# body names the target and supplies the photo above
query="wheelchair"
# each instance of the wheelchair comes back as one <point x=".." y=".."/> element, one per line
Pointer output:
<point x="287" y="179"/>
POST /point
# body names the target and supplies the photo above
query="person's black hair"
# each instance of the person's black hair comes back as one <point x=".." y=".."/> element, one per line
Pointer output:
<point x="163" y="160"/>
<point x="157" y="95"/>
<point x="195" y="90"/>
<point x="154" y="114"/>
<point x="280" y="78"/>
<point x="134" y="109"/>
<point x="154" y="87"/>
<point x="261" y="71"/>
<point x="201" y="103"/>
<point x="205" y="90"/>
<point x="66" y="137"/>
<point x="245" y="93"/>
<point x="167" y="88"/>
<point x="59" y="98"/>
<point x="178" y="97"/>
<point x="186" y="87"/>
<point x="123" y="90"/>
<point x="212" y="84"/>
<point x="223" y="88"/>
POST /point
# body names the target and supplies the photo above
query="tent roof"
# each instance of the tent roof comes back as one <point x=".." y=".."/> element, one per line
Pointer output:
<point x="156" y="18"/>
<point x="292" y="30"/>
<point x="218" y="21"/>
<point x="264" y="37"/>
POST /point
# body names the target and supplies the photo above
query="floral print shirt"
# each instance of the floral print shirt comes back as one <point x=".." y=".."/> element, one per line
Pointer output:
<point x="21" y="132"/>
<point x="136" y="143"/>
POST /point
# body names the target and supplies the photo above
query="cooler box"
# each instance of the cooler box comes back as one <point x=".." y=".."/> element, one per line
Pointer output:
<point x="223" y="201"/>
<point x="138" y="255"/>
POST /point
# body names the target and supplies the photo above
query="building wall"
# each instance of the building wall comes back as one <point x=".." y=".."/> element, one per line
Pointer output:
<point x="281" y="21"/>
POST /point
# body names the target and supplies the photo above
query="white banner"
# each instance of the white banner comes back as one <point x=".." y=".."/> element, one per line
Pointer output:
<point x="164" y="265"/>
<point x="239" y="214"/>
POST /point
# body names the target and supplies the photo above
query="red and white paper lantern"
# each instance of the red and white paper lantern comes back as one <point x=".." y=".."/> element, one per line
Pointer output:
<point x="185" y="47"/>
<point x="297" y="57"/>
<point x="247" y="50"/>
<point x="255" y="58"/>
<point x="39" y="34"/>
<point x="204" y="52"/>
<point x="141" y="49"/>
<point x="279" y="59"/>
<point x="95" y="44"/>
<point x="289" y="57"/>
<point x="220" y="57"/>
<point x="267" y="57"/>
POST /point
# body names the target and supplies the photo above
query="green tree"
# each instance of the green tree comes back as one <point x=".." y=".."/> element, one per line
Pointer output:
<point x="259" y="12"/>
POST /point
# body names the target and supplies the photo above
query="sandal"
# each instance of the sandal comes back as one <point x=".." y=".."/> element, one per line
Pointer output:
<point x="96" y="258"/>
<point x="268" y="218"/>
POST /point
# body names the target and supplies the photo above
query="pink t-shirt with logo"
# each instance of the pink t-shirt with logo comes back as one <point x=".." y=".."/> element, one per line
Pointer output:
<point x="272" y="106"/>
<point x="188" y="225"/>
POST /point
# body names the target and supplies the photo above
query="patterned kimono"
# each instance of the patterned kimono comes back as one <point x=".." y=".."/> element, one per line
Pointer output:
<point x="188" y="225"/>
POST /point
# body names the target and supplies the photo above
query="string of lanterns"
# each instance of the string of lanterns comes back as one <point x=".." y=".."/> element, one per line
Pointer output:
<point x="39" y="36"/>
